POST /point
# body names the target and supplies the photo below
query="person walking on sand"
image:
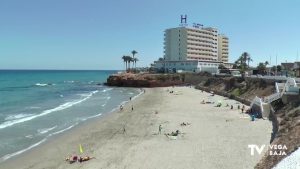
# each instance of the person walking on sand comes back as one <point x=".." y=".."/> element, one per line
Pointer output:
<point x="121" y="107"/>
<point x="124" y="130"/>
<point x="130" y="98"/>
<point x="132" y="108"/>
<point x="243" y="108"/>
<point x="159" y="129"/>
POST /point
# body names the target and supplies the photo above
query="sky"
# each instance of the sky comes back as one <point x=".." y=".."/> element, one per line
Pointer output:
<point x="95" y="34"/>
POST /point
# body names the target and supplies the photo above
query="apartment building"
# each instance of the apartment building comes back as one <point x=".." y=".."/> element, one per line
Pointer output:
<point x="223" y="48"/>
<point x="189" y="43"/>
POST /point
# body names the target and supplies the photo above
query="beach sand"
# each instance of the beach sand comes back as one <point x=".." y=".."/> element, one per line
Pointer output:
<point x="217" y="137"/>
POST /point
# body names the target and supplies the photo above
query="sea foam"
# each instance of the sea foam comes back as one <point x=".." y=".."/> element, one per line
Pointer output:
<point x="46" y="130"/>
<point x="59" y="108"/>
<point x="21" y="151"/>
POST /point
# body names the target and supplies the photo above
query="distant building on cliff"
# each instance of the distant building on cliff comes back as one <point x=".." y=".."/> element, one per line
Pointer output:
<point x="223" y="52"/>
<point x="202" y="46"/>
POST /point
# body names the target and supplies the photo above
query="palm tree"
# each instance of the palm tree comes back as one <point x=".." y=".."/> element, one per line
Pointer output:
<point x="266" y="63"/>
<point x="135" y="60"/>
<point x="129" y="59"/>
<point x="133" y="53"/>
<point x="125" y="61"/>
<point x="246" y="58"/>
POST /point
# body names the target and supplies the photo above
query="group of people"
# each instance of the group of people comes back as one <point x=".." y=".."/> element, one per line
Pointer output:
<point x="74" y="158"/>
<point x="121" y="106"/>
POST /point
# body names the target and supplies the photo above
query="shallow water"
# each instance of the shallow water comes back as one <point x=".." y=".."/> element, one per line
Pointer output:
<point x="35" y="105"/>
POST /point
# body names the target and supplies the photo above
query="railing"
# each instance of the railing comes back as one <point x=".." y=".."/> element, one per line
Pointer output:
<point x="289" y="87"/>
<point x="272" y="97"/>
<point x="273" y="77"/>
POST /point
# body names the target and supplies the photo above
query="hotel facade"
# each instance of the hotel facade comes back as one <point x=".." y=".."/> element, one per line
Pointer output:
<point x="204" y="47"/>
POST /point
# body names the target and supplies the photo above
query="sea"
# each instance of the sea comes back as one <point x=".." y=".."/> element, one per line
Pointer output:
<point x="38" y="104"/>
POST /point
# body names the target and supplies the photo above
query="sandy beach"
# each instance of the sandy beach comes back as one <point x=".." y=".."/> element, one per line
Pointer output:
<point x="215" y="137"/>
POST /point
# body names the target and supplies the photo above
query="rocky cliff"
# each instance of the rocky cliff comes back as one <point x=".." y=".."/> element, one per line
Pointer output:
<point x="144" y="80"/>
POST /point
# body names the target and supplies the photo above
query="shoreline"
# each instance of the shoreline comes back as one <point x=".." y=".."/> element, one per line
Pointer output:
<point x="47" y="139"/>
<point x="141" y="147"/>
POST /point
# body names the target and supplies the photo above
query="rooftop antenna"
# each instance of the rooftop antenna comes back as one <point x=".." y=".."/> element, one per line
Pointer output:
<point x="276" y="66"/>
<point x="270" y="65"/>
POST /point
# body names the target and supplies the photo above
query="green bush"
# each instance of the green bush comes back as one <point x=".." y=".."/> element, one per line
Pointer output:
<point x="236" y="92"/>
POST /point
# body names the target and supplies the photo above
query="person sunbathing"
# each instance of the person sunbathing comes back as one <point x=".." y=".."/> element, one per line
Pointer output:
<point x="184" y="124"/>
<point x="173" y="133"/>
<point x="72" y="159"/>
<point x="86" y="158"/>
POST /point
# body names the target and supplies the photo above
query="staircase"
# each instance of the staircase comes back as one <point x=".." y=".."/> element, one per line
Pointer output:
<point x="289" y="87"/>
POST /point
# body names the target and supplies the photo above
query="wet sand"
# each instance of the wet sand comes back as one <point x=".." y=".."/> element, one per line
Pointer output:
<point x="217" y="137"/>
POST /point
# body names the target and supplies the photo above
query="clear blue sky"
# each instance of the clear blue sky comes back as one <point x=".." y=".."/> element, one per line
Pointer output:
<point x="94" y="34"/>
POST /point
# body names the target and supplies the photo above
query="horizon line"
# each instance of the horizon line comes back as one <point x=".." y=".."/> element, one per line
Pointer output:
<point x="66" y="69"/>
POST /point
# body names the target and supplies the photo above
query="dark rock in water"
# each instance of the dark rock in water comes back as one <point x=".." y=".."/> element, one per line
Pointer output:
<point x="98" y="84"/>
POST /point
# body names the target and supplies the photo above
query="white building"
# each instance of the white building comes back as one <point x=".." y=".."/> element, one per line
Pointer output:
<point x="187" y="66"/>
<point x="193" y="49"/>
<point x="185" y="43"/>
<point x="205" y="44"/>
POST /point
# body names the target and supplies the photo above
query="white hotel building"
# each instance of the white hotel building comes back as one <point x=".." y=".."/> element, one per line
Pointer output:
<point x="193" y="49"/>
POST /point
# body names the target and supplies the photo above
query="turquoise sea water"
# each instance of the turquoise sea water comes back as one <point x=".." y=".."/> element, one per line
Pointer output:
<point x="35" y="105"/>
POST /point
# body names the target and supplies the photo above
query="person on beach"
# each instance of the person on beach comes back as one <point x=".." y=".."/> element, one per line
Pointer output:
<point x="159" y="129"/>
<point x="86" y="158"/>
<point x="121" y="107"/>
<point x="130" y="98"/>
<point x="72" y="159"/>
<point x="124" y="129"/>
<point x="132" y="108"/>
<point x="231" y="107"/>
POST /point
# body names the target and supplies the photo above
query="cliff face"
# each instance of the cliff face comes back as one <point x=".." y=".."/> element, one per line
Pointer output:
<point x="145" y="80"/>
<point x="285" y="119"/>
<point x="288" y="133"/>
<point x="241" y="89"/>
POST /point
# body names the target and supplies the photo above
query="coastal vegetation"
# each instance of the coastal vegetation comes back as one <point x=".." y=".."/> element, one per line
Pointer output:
<point x="128" y="59"/>
<point x="242" y="63"/>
